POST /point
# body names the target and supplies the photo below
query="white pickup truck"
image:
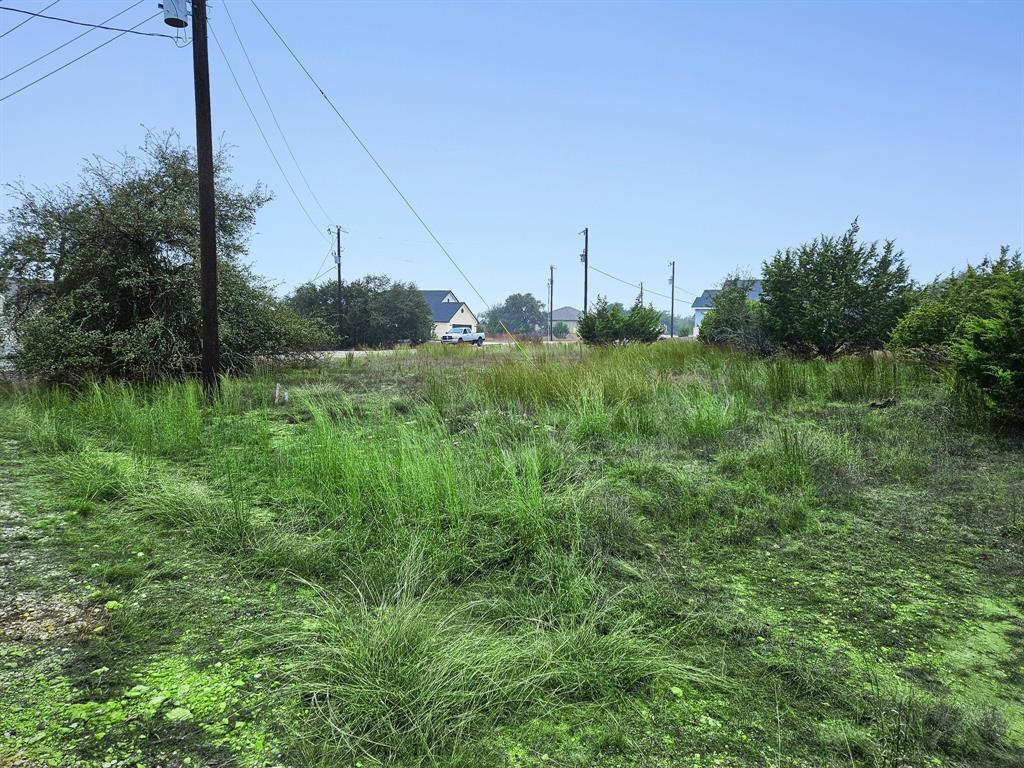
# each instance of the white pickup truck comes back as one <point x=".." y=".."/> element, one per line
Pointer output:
<point x="463" y="335"/>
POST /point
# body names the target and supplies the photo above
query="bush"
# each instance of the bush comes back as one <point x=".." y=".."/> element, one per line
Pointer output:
<point x="976" y="320"/>
<point x="560" y="330"/>
<point x="610" y="323"/>
<point x="834" y="294"/>
<point x="932" y="321"/>
<point x="735" y="319"/>
<point x="107" y="273"/>
<point x="988" y="351"/>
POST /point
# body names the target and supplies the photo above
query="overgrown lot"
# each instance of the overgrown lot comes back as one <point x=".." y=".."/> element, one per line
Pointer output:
<point x="650" y="556"/>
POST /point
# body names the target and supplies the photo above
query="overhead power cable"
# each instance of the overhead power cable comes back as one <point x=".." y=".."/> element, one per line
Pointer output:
<point x="69" y="42"/>
<point x="266" y="141"/>
<point x="370" y="154"/>
<point x="77" y="58"/>
<point x="637" y="285"/>
<point x="273" y="114"/>
<point x="79" y="23"/>
<point x="26" y="21"/>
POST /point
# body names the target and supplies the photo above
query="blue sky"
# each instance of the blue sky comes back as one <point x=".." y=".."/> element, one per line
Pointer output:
<point x="712" y="134"/>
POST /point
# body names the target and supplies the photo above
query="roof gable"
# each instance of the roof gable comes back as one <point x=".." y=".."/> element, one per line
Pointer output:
<point x="443" y="305"/>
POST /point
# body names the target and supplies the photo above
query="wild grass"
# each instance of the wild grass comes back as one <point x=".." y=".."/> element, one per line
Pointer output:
<point x="478" y="541"/>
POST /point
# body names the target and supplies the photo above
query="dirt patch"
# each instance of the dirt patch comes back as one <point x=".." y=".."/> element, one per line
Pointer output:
<point x="34" y="617"/>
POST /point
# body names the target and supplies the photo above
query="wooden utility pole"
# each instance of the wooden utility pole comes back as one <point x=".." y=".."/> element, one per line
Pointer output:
<point x="641" y="294"/>
<point x="551" y="305"/>
<point x="672" y="306"/>
<point x="585" y="258"/>
<point x="207" y="207"/>
<point x="337" y="261"/>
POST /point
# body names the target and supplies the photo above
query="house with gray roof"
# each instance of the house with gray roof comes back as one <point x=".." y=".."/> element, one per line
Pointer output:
<point x="703" y="303"/>
<point x="448" y="312"/>
<point x="568" y="315"/>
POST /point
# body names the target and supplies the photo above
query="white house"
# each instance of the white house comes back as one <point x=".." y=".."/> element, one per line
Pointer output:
<point x="703" y="303"/>
<point x="448" y="312"/>
<point x="568" y="315"/>
<point x="7" y="346"/>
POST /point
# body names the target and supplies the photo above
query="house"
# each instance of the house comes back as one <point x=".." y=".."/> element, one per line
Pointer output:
<point x="567" y="315"/>
<point x="448" y="312"/>
<point x="706" y="300"/>
<point x="7" y="340"/>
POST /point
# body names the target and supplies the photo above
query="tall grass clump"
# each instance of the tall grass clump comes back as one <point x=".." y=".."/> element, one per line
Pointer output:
<point x="410" y="679"/>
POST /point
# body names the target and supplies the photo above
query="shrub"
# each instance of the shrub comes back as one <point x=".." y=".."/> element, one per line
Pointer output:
<point x="560" y="330"/>
<point x="988" y="352"/>
<point x="834" y="294"/>
<point x="735" y="319"/>
<point x="610" y="323"/>
<point x="976" y="319"/>
<point x="107" y="273"/>
<point x="932" y="322"/>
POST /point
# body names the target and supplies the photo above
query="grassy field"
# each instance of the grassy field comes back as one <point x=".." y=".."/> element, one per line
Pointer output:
<point x="657" y="556"/>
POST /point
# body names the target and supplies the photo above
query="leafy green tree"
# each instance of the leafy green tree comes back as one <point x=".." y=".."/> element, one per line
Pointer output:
<point x="519" y="313"/>
<point x="375" y="312"/>
<point x="560" y="330"/>
<point x="608" y="323"/>
<point x="735" y="319"/>
<point x="108" y="274"/>
<point x="835" y="294"/>
<point x="683" y="325"/>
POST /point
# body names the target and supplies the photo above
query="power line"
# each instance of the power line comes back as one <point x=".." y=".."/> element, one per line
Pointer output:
<point x="369" y="154"/>
<point x="273" y="114"/>
<point x="636" y="285"/>
<point x="69" y="42"/>
<point x="26" y="21"/>
<point x="259" y="127"/>
<point x="78" y="23"/>
<point x="77" y="58"/>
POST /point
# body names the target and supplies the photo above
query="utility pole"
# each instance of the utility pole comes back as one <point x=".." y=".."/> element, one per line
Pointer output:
<point x="337" y="261"/>
<point x="207" y="210"/>
<point x="672" y="308"/>
<point x="551" y="305"/>
<point x="641" y="294"/>
<point x="585" y="258"/>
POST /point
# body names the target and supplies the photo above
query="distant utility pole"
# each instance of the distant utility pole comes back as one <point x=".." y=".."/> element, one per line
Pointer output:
<point x="337" y="261"/>
<point x="551" y="305"/>
<point x="207" y="211"/>
<point x="585" y="258"/>
<point x="672" y="307"/>
<point x="641" y="294"/>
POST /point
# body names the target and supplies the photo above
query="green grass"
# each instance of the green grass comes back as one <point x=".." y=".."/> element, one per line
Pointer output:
<point x="662" y="555"/>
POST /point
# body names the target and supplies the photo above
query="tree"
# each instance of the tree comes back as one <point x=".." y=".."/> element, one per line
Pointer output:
<point x="560" y="330"/>
<point x="834" y="294"/>
<point x="108" y="272"/>
<point x="735" y="319"/>
<point x="519" y="313"/>
<point x="375" y="312"/>
<point x="683" y="326"/>
<point x="608" y="323"/>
